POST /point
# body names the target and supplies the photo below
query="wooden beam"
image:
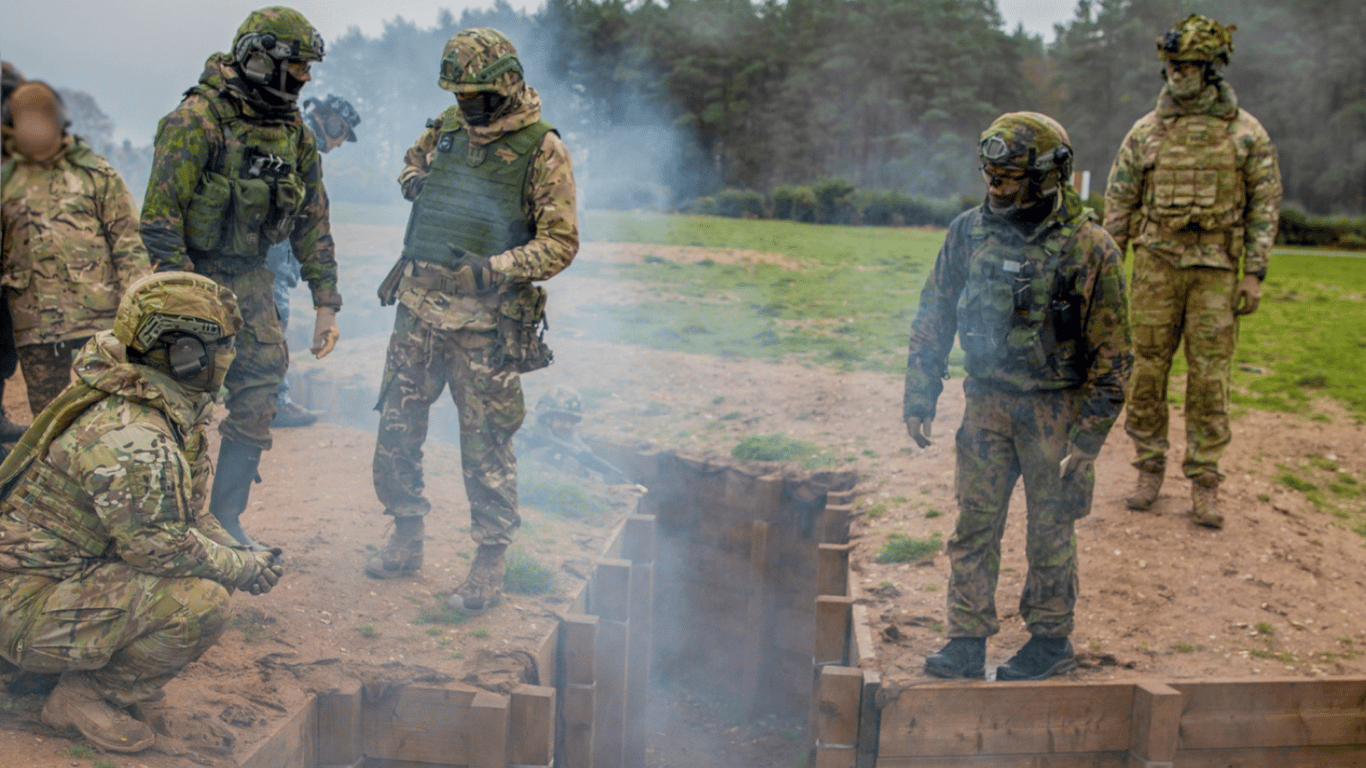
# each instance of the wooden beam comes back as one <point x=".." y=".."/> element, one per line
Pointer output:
<point x="869" y="718"/>
<point x="488" y="731"/>
<point x="640" y="628"/>
<point x="578" y="695"/>
<point x="832" y="569"/>
<point x="610" y="599"/>
<point x="1156" y="724"/>
<point x="531" y="727"/>
<point x="291" y="745"/>
<point x="839" y="694"/>
<point x="833" y="623"/>
<point x="339" y="727"/>
<point x="1221" y="714"/>
<point x="756" y="638"/>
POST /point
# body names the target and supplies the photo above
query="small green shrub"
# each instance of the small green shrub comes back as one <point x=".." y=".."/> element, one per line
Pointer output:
<point x="773" y="448"/>
<point x="557" y="496"/>
<point x="900" y="548"/>
<point x="526" y="576"/>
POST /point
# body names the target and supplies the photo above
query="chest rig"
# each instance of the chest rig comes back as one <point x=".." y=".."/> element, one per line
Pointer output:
<point x="1195" y="183"/>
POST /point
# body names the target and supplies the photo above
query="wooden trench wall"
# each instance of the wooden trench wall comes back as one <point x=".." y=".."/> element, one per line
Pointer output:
<point x="734" y="582"/>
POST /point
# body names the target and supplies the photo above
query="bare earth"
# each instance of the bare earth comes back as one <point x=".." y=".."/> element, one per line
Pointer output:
<point x="1274" y="594"/>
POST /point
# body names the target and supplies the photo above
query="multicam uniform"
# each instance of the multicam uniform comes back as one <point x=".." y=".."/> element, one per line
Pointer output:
<point x="71" y="247"/>
<point x="1196" y="190"/>
<point x="1042" y="319"/>
<point x="231" y="176"/>
<point x="108" y="561"/>
<point x="446" y="335"/>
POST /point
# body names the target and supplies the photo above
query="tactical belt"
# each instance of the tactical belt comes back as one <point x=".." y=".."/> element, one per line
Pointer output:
<point x="426" y="276"/>
<point x="1190" y="238"/>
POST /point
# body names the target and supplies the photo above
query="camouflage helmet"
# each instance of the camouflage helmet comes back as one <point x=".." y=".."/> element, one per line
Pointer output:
<point x="1031" y="141"/>
<point x="561" y="400"/>
<point x="1197" y="38"/>
<point x="280" y="32"/>
<point x="168" y="302"/>
<point x="480" y="59"/>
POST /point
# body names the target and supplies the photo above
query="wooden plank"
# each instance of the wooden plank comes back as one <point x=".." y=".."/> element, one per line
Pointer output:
<point x="1156" y="723"/>
<point x="1272" y="713"/>
<point x="638" y="539"/>
<point x="291" y="745"/>
<point x="531" y="727"/>
<point x="1286" y="757"/>
<point x="1038" y="760"/>
<point x="832" y="569"/>
<point x="611" y="601"/>
<point x="833" y="524"/>
<point x="419" y="723"/>
<point x="756" y="644"/>
<point x="862" y="650"/>
<point x="641" y="630"/>
<point x="833" y="617"/>
<point x="488" y="726"/>
<point x="869" y="718"/>
<point x="578" y="700"/>
<point x="338" y="736"/>
<point x="1015" y="718"/>
<point x="839" y="694"/>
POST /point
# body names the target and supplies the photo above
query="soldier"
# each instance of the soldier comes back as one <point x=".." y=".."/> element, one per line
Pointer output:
<point x="1034" y="289"/>
<point x="1196" y="189"/>
<point x="111" y="573"/>
<point x="71" y="242"/>
<point x="493" y="209"/>
<point x="333" y="122"/>
<point x="10" y="78"/>
<point x="553" y="440"/>
<point x="234" y="171"/>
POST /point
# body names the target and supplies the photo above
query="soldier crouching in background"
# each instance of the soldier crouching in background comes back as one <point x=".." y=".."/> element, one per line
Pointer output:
<point x="1034" y="288"/>
<point x="111" y="572"/>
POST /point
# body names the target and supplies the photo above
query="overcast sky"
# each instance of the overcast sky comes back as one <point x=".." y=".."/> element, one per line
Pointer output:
<point x="136" y="57"/>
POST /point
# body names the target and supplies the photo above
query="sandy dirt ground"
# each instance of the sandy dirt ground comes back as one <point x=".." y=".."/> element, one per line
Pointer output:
<point x="1274" y="594"/>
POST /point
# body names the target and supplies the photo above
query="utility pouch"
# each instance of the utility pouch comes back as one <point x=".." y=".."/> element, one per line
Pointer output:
<point x="208" y="212"/>
<point x="250" y="206"/>
<point x="521" y="330"/>
<point x="388" y="288"/>
<point x="289" y="196"/>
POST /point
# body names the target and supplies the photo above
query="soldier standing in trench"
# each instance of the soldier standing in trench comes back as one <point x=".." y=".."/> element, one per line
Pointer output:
<point x="1196" y="189"/>
<point x="493" y="210"/>
<point x="1034" y="290"/>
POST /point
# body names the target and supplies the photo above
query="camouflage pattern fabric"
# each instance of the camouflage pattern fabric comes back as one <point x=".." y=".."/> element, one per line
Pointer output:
<point x="1005" y="436"/>
<point x="1184" y="280"/>
<point x="47" y="370"/>
<point x="71" y="245"/>
<point x="254" y="379"/>
<point x="1197" y="38"/>
<point x="107" y="553"/>
<point x="480" y="59"/>
<point x="421" y="361"/>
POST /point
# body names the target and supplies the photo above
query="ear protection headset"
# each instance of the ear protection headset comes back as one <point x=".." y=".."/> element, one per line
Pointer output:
<point x="187" y="355"/>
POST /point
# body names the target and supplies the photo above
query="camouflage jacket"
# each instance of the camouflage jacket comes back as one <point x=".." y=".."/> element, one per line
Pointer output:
<point x="1258" y="171"/>
<point x="71" y="244"/>
<point x="1090" y="269"/>
<point x="190" y="137"/>
<point x="549" y="203"/>
<point x="125" y="481"/>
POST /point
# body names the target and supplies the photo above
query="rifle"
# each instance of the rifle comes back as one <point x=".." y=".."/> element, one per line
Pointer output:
<point x="587" y="459"/>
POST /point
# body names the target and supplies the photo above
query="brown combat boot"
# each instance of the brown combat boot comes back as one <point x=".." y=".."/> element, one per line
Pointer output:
<point x="1149" y="485"/>
<point x="483" y="588"/>
<point x="402" y="554"/>
<point x="1205" y="501"/>
<point x="77" y="703"/>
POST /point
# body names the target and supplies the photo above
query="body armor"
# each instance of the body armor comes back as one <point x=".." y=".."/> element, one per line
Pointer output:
<point x="251" y="192"/>
<point x="1196" y="185"/>
<point x="472" y="196"/>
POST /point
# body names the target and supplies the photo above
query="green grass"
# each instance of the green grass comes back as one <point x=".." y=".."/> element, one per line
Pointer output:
<point x="525" y="576"/>
<point x="776" y="447"/>
<point x="556" y="495"/>
<point x="903" y="549"/>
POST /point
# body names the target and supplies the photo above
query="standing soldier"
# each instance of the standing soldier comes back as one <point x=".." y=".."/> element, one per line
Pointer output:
<point x="71" y="242"/>
<point x="235" y="170"/>
<point x="1196" y="189"/>
<point x="10" y="78"/>
<point x="1035" y="291"/>
<point x="111" y="574"/>
<point x="493" y="209"/>
<point x="333" y="123"/>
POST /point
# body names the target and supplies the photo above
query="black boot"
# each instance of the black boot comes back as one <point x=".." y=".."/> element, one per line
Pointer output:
<point x="1039" y="658"/>
<point x="232" y="481"/>
<point x="962" y="657"/>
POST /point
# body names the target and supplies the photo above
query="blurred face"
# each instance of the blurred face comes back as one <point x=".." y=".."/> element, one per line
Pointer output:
<point x="1185" y="78"/>
<point x="1006" y="186"/>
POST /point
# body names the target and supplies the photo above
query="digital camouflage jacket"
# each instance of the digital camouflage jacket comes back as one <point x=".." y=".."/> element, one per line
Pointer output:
<point x="71" y="244"/>
<point x="549" y="203"/>
<point x="124" y="481"/>
<point x="190" y="142"/>
<point x="1086" y="285"/>
<point x="1195" y="136"/>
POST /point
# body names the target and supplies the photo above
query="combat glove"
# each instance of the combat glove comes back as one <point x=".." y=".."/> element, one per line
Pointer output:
<point x="1247" y="295"/>
<point x="474" y="274"/>
<point x="1076" y="463"/>
<point x="325" y="332"/>
<point x="260" y="571"/>
<point x="412" y="186"/>
<point x="919" y="429"/>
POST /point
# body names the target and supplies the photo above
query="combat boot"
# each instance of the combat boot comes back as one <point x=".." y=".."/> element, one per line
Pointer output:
<point x="402" y="554"/>
<point x="1205" y="500"/>
<point x="291" y="414"/>
<point x="77" y="703"/>
<point x="483" y="588"/>
<point x="236" y="471"/>
<point x="1149" y="484"/>
<point x="962" y="657"/>
<point x="1041" y="657"/>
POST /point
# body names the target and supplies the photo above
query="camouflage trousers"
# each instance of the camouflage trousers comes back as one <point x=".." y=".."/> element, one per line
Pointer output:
<point x="47" y="370"/>
<point x="253" y="381"/>
<point x="133" y="631"/>
<point x="1167" y="305"/>
<point x="421" y="361"/>
<point x="1005" y="436"/>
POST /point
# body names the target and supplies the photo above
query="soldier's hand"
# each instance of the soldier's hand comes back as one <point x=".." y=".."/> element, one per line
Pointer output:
<point x="1248" y="295"/>
<point x="474" y="274"/>
<point x="261" y="571"/>
<point x="412" y="186"/>
<point x="919" y="430"/>
<point x="325" y="332"/>
<point x="1075" y="464"/>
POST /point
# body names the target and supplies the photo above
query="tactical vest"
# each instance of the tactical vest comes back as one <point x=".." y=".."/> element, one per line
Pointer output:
<point x="1195" y="184"/>
<point x="1014" y="313"/>
<point x="250" y="192"/>
<point x="472" y="196"/>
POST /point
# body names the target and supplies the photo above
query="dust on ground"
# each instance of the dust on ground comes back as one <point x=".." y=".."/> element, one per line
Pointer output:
<point x="1274" y="594"/>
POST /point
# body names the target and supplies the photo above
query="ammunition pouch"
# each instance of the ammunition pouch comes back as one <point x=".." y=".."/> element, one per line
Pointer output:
<point x="520" y="341"/>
